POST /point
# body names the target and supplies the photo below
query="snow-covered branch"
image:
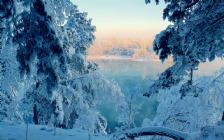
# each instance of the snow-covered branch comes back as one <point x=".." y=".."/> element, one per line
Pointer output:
<point x="191" y="5"/>
<point x="6" y="8"/>
<point x="151" y="131"/>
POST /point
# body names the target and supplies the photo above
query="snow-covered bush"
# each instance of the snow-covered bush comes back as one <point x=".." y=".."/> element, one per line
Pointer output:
<point x="81" y="96"/>
<point x="91" y="121"/>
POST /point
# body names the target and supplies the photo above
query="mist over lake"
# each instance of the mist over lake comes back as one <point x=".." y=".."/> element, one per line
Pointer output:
<point x="135" y="77"/>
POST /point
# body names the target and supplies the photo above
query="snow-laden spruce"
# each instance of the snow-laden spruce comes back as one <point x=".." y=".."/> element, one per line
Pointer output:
<point x="196" y="35"/>
<point x="60" y="87"/>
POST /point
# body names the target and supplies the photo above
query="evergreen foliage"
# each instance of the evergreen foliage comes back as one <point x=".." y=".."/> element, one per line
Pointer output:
<point x="195" y="36"/>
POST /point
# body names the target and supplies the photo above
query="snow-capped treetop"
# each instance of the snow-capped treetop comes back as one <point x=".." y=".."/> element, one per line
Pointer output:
<point x="83" y="27"/>
<point x="59" y="10"/>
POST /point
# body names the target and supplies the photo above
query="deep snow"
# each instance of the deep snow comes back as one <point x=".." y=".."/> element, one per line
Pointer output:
<point x="16" y="131"/>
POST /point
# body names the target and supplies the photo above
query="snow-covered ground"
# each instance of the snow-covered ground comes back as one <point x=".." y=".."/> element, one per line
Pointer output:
<point x="15" y="131"/>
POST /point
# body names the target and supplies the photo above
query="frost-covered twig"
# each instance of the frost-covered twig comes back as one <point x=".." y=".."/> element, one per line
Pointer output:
<point x="220" y="75"/>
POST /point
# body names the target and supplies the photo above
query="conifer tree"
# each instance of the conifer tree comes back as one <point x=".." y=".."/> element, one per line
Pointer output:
<point x="195" y="36"/>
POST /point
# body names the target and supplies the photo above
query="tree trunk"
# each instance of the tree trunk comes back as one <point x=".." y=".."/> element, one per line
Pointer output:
<point x="223" y="116"/>
<point x="35" y="117"/>
<point x="191" y="77"/>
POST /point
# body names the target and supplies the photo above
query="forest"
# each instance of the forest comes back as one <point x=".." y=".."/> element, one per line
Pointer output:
<point x="50" y="90"/>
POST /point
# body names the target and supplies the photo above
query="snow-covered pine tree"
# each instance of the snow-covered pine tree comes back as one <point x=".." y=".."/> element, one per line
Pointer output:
<point x="44" y="31"/>
<point x="40" y="54"/>
<point x="195" y="36"/>
<point x="8" y="67"/>
<point x="84" y="38"/>
<point x="37" y="40"/>
<point x="84" y="86"/>
<point x="79" y="90"/>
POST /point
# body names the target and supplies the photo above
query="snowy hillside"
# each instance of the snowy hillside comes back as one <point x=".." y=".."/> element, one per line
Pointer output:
<point x="13" y="131"/>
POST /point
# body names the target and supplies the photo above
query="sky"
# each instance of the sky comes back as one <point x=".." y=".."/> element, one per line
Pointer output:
<point x="124" y="18"/>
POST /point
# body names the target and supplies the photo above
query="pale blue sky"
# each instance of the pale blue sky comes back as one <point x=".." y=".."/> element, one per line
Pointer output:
<point x="124" y="18"/>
